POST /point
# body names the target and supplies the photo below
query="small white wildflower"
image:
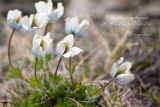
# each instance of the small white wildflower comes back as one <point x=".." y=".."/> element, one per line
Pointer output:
<point x="121" y="71"/>
<point x="47" y="8"/>
<point x="67" y="44"/>
<point x="41" y="45"/>
<point x="13" y="19"/>
<point x="34" y="22"/>
<point x="73" y="26"/>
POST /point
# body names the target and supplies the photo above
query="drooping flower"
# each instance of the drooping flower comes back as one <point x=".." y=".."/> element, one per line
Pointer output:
<point x="41" y="45"/>
<point x="65" y="47"/>
<point x="13" y="19"/>
<point x="34" y="22"/>
<point x="47" y="8"/>
<point x="73" y="26"/>
<point x="121" y="71"/>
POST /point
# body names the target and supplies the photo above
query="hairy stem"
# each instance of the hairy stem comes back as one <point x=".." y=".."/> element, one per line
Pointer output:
<point x="104" y="86"/>
<point x="59" y="62"/>
<point x="9" y="46"/>
<point x="70" y="70"/>
<point x="35" y="69"/>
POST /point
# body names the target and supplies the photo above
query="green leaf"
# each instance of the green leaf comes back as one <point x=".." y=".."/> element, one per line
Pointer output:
<point x="48" y="58"/>
<point x="72" y="68"/>
<point x="14" y="73"/>
<point x="91" y="89"/>
<point x="39" y="64"/>
<point x="35" y="83"/>
<point x="43" y="62"/>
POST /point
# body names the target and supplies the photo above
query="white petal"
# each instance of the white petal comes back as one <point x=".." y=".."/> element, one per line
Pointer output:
<point x="68" y="54"/>
<point x="71" y="25"/>
<point x="61" y="46"/>
<point x="12" y="17"/>
<point x="74" y="23"/>
<point x="57" y="13"/>
<point x="14" y="25"/>
<point x="13" y="14"/>
<point x="124" y="78"/>
<point x="26" y="23"/>
<point x="34" y="28"/>
<point x="37" y="36"/>
<point x="36" y="48"/>
<point x="120" y="60"/>
<point x="126" y="65"/>
<point x="67" y="26"/>
<point x="114" y="69"/>
<point x="73" y="52"/>
<point x="47" y="43"/>
<point x="43" y="7"/>
<point x="83" y="26"/>
<point x="41" y="20"/>
<point x="70" y="40"/>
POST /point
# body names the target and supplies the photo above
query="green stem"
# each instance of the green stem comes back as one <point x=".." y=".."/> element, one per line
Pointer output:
<point x="104" y="86"/>
<point x="35" y="69"/>
<point x="70" y="70"/>
<point x="9" y="46"/>
<point x="59" y="62"/>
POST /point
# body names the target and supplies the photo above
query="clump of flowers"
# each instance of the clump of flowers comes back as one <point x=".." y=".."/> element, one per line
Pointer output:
<point x="49" y="88"/>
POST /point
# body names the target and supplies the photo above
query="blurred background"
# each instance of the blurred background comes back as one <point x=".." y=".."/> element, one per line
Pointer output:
<point x="128" y="28"/>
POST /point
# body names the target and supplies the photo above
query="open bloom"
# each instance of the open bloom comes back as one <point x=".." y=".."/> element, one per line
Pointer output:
<point x="34" y="22"/>
<point x="14" y="18"/>
<point x="47" y="8"/>
<point x="73" y="26"/>
<point x="66" y="48"/>
<point x="41" y="45"/>
<point x="121" y="71"/>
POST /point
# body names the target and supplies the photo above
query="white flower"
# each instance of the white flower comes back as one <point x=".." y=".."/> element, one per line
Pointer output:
<point x="47" y="8"/>
<point x="41" y="45"/>
<point x="121" y="71"/>
<point x="34" y="22"/>
<point x="66" y="48"/>
<point x="73" y="26"/>
<point x="13" y="19"/>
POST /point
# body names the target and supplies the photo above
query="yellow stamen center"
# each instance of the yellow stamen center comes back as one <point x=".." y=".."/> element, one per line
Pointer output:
<point x="42" y="44"/>
<point x="18" y="19"/>
<point x="34" y="22"/>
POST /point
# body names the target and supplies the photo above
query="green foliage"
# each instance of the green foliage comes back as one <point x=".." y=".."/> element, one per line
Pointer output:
<point x="33" y="82"/>
<point x="14" y="73"/>
<point x="57" y="91"/>
<point x="42" y="63"/>
<point x="50" y="90"/>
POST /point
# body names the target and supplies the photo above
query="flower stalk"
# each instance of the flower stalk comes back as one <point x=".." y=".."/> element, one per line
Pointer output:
<point x="35" y="69"/>
<point x="59" y="62"/>
<point x="9" y="50"/>
<point x="104" y="86"/>
<point x="70" y="70"/>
